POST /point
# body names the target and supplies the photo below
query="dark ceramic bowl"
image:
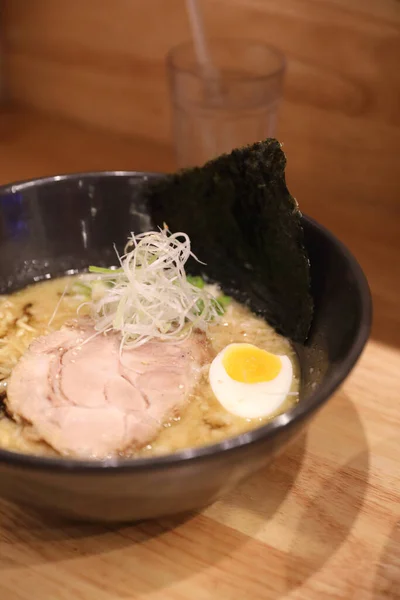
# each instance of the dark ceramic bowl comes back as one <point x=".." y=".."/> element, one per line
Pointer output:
<point x="50" y="226"/>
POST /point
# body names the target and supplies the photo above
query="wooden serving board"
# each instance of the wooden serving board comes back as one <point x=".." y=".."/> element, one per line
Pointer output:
<point x="321" y="523"/>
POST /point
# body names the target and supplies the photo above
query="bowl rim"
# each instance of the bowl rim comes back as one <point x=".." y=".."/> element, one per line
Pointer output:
<point x="191" y="455"/>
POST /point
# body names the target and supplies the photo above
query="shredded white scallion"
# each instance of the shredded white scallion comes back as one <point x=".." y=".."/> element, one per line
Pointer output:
<point x="150" y="296"/>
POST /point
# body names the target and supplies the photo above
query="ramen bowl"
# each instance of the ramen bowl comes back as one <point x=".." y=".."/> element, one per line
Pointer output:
<point x="58" y="225"/>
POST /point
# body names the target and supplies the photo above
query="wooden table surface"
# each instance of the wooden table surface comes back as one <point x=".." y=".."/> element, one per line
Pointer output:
<point x="321" y="523"/>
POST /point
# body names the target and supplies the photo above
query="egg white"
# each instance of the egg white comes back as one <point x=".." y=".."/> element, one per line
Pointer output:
<point x="250" y="400"/>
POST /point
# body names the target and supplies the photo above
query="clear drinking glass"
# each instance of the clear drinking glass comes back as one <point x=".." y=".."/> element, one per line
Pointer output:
<point x="233" y="104"/>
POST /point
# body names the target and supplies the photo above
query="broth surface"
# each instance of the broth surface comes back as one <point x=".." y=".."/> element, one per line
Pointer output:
<point x="26" y="314"/>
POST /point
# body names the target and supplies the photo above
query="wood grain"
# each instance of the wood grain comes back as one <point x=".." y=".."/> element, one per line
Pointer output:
<point x="322" y="523"/>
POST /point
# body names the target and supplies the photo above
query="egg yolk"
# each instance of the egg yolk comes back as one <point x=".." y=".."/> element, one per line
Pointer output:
<point x="248" y="364"/>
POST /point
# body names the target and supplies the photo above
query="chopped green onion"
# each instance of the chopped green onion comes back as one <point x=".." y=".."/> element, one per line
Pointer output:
<point x="196" y="280"/>
<point x="224" y="301"/>
<point x="93" y="269"/>
<point x="81" y="289"/>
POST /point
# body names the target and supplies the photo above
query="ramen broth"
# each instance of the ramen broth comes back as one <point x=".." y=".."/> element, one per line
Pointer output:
<point x="46" y="306"/>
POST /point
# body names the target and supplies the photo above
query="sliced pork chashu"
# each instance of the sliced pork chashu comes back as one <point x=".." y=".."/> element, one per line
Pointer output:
<point x="86" y="401"/>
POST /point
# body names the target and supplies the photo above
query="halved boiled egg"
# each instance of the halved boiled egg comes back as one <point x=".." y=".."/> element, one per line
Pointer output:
<point x="250" y="382"/>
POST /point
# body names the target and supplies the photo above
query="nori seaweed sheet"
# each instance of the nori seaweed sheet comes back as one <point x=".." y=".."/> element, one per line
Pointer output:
<point x="246" y="226"/>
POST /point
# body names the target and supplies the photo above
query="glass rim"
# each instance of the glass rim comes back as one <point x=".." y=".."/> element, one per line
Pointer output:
<point x="171" y="55"/>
